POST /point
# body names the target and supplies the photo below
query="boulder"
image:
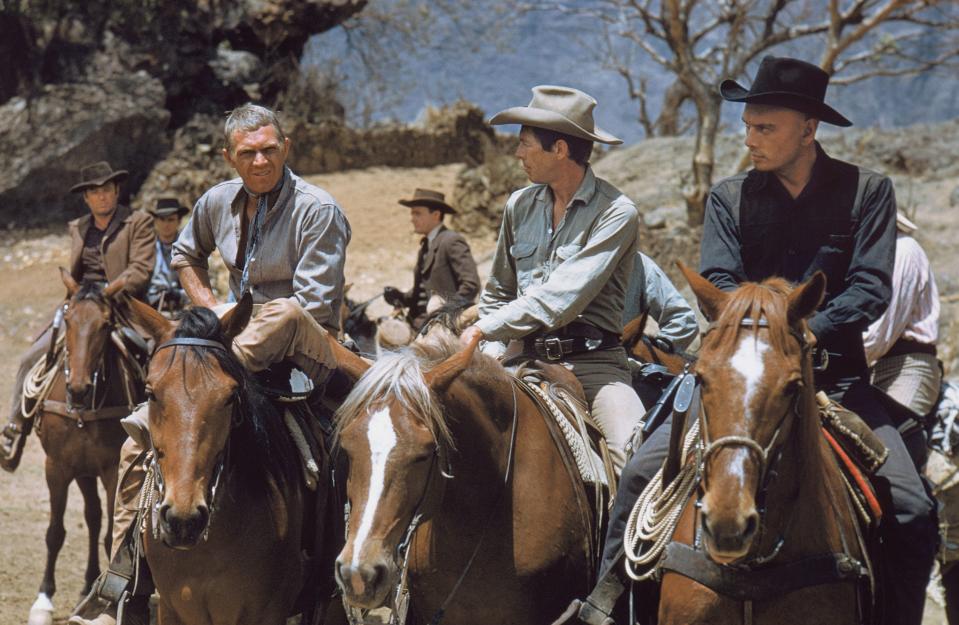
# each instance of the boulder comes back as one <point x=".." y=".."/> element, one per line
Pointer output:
<point x="66" y="126"/>
<point x="481" y="193"/>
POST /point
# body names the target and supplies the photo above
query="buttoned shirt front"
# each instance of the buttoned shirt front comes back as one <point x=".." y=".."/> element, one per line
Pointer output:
<point x="301" y="251"/>
<point x="543" y="279"/>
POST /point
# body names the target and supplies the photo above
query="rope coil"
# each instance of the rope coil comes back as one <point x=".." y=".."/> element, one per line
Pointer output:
<point x="656" y="513"/>
<point x="39" y="381"/>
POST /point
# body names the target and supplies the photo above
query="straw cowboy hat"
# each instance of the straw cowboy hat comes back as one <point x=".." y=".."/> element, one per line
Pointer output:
<point x="167" y="206"/>
<point x="431" y="199"/>
<point x="96" y="175"/>
<point x="904" y="224"/>
<point x="560" y="109"/>
<point x="789" y="83"/>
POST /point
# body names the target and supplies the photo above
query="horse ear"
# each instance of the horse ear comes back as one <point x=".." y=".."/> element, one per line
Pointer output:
<point x="69" y="282"/>
<point x="114" y="287"/>
<point x="805" y="298"/>
<point x="346" y="289"/>
<point x="442" y="375"/>
<point x="235" y="319"/>
<point x="346" y="361"/>
<point x="146" y="320"/>
<point x="711" y="298"/>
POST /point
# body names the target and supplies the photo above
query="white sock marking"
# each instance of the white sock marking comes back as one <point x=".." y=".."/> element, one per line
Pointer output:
<point x="382" y="438"/>
<point x="42" y="603"/>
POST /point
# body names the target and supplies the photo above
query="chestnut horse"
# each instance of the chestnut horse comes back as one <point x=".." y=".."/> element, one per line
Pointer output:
<point x="651" y="349"/>
<point x="457" y="486"/>
<point x="78" y="426"/>
<point x="225" y="537"/>
<point x="771" y="496"/>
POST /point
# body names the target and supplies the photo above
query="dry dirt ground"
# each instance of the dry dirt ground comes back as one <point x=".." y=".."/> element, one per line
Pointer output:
<point x="382" y="252"/>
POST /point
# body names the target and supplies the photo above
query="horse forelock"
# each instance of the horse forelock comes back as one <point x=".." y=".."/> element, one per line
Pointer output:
<point x="91" y="290"/>
<point x="754" y="301"/>
<point x="259" y="439"/>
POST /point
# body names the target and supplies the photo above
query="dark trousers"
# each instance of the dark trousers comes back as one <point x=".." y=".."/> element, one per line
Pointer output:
<point x="911" y="534"/>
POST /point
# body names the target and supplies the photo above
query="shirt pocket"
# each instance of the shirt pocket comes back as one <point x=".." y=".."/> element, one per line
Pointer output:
<point x="524" y="258"/>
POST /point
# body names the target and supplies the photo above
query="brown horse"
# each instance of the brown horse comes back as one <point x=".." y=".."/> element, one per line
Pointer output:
<point x="225" y="538"/>
<point x="453" y="471"/>
<point x="771" y="496"/>
<point x="78" y="426"/>
<point x="648" y="349"/>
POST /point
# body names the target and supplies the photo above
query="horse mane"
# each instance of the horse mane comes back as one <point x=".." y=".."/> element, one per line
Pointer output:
<point x="260" y="446"/>
<point x="91" y="290"/>
<point x="769" y="300"/>
<point x="398" y="375"/>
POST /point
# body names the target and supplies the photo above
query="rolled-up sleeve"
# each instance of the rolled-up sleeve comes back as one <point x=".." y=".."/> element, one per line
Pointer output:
<point x="868" y="284"/>
<point x="720" y="259"/>
<point x="196" y="241"/>
<point x="321" y="248"/>
<point x="570" y="287"/>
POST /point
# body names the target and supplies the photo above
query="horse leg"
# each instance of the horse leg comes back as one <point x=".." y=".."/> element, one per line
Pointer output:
<point x="41" y="613"/>
<point x="166" y="615"/>
<point x="94" y="516"/>
<point x="108" y="478"/>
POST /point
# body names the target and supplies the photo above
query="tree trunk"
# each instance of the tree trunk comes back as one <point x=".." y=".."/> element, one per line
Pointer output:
<point x="667" y="124"/>
<point x="704" y="156"/>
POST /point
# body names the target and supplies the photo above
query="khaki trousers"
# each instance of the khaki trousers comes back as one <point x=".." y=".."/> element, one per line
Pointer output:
<point x="280" y="330"/>
<point x="613" y="403"/>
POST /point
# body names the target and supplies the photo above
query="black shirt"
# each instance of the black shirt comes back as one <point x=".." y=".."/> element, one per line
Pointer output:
<point x="843" y="223"/>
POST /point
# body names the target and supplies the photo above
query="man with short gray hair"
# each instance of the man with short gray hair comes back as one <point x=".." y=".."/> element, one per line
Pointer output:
<point x="284" y="241"/>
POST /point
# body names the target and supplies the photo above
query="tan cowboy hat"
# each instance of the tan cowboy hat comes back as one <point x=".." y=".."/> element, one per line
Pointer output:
<point x="904" y="224"/>
<point x="167" y="206"/>
<point x="560" y="109"/>
<point x="431" y="199"/>
<point x="96" y="175"/>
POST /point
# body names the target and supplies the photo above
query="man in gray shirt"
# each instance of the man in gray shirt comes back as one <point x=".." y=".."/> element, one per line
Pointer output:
<point x="563" y="260"/>
<point x="283" y="240"/>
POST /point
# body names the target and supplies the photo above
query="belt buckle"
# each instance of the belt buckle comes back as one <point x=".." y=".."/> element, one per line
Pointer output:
<point x="820" y="360"/>
<point x="553" y="348"/>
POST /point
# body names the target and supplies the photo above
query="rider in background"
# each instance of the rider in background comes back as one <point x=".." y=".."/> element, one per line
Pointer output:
<point x="651" y="292"/>
<point x="563" y="260"/>
<point x="444" y="262"/>
<point x="165" y="293"/>
<point x="109" y="243"/>
<point x="901" y="344"/>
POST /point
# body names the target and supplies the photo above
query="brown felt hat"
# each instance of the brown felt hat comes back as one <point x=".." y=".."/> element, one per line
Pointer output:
<point x="167" y="206"/>
<point x="96" y="175"/>
<point x="560" y="109"/>
<point x="430" y="199"/>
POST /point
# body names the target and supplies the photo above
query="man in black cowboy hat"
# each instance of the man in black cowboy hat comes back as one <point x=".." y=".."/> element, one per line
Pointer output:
<point x="165" y="292"/>
<point x="563" y="260"/>
<point x="110" y="243"/>
<point x="444" y="263"/>
<point x="797" y="212"/>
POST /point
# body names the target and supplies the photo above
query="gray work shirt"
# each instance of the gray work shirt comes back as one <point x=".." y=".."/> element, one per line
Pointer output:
<point x="301" y="250"/>
<point x="543" y="280"/>
<point x="650" y="290"/>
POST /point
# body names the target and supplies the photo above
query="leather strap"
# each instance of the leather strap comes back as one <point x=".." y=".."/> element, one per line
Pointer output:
<point x="761" y="583"/>
<point x="100" y="414"/>
<point x="553" y="348"/>
<point x="190" y="342"/>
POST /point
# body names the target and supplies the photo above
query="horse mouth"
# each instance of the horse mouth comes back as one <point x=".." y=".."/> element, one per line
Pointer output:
<point x="365" y="585"/>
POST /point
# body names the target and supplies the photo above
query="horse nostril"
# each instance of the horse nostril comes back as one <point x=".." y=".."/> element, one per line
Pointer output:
<point x="203" y="515"/>
<point x="378" y="575"/>
<point x="164" y="513"/>
<point x="752" y="524"/>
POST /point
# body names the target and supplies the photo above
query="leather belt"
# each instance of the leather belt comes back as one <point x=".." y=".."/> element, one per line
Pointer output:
<point x="575" y="338"/>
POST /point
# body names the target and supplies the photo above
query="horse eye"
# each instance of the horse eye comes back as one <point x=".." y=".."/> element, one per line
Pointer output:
<point x="149" y="394"/>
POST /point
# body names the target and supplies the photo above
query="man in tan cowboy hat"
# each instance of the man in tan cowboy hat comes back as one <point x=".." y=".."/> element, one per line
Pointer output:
<point x="109" y="243"/>
<point x="284" y="241"/>
<point x="444" y="263"/>
<point x="165" y="292"/>
<point x="563" y="260"/>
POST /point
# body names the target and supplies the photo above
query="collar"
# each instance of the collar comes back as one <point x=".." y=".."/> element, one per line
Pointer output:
<point x="823" y="173"/>
<point x="274" y="196"/>
<point x="584" y="193"/>
<point x="432" y="234"/>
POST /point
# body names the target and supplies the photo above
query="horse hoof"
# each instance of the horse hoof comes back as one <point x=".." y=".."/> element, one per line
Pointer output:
<point x="41" y="613"/>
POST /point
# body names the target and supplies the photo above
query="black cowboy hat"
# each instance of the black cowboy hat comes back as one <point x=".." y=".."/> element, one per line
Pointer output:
<point x="431" y="199"/>
<point x="96" y="175"/>
<point x="789" y="83"/>
<point x="167" y="206"/>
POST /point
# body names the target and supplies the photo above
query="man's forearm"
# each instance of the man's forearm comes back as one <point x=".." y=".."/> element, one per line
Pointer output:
<point x="196" y="282"/>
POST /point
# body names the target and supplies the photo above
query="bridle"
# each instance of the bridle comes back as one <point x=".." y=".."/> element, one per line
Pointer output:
<point x="767" y="464"/>
<point x="222" y="457"/>
<point x="72" y="406"/>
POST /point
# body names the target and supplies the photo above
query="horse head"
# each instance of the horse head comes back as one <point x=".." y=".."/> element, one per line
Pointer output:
<point x="89" y="320"/>
<point x="756" y="382"/>
<point x="196" y="388"/>
<point x="394" y="432"/>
